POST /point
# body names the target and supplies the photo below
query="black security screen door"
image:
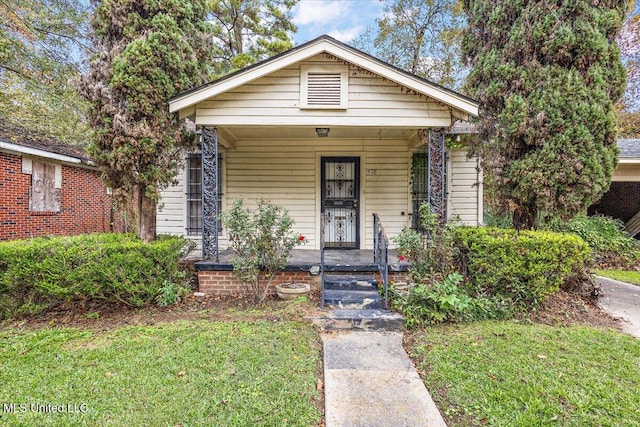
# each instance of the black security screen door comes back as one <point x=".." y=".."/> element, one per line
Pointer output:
<point x="340" y="197"/>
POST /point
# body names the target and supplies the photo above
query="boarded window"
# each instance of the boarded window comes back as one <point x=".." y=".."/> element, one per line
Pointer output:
<point x="324" y="87"/>
<point x="44" y="196"/>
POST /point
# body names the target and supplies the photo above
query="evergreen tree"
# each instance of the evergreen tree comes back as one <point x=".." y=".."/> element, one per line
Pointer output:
<point x="547" y="76"/>
<point x="147" y="52"/>
<point x="248" y="31"/>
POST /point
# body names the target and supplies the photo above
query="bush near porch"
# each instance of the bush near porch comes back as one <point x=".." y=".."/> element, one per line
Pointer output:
<point x="38" y="274"/>
<point x="523" y="266"/>
<point x="474" y="273"/>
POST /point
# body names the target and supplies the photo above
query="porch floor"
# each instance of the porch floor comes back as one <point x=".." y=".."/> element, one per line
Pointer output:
<point x="335" y="260"/>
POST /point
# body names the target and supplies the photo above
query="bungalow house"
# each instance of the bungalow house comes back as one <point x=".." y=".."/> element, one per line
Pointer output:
<point x="49" y="188"/>
<point x="622" y="201"/>
<point x="334" y="135"/>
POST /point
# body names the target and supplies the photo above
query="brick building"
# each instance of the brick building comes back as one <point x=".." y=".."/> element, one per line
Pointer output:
<point x="48" y="188"/>
<point x="622" y="201"/>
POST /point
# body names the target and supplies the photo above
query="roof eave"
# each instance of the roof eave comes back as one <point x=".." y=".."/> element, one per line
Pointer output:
<point x="22" y="149"/>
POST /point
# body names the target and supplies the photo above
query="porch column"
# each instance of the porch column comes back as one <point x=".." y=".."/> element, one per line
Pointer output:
<point x="210" y="193"/>
<point x="433" y="141"/>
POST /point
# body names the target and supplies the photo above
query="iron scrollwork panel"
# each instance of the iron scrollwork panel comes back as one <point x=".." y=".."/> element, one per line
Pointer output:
<point x="434" y="143"/>
<point x="210" y="192"/>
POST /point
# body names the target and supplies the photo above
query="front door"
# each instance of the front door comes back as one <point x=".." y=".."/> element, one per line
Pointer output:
<point x="340" y="197"/>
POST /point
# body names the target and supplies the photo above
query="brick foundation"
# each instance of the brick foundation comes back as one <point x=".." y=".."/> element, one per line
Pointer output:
<point x="224" y="283"/>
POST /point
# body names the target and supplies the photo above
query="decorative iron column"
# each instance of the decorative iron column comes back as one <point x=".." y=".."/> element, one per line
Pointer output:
<point x="210" y="193"/>
<point x="433" y="141"/>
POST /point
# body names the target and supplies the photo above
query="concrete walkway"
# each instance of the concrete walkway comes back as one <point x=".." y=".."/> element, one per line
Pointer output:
<point x="621" y="300"/>
<point x="370" y="382"/>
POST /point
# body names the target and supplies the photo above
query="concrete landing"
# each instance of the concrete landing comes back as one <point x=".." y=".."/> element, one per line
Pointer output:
<point x="621" y="300"/>
<point x="370" y="382"/>
<point x="360" y="320"/>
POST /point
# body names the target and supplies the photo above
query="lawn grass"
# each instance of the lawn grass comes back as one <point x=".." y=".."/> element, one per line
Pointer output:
<point x="632" y="277"/>
<point x="511" y="374"/>
<point x="188" y="373"/>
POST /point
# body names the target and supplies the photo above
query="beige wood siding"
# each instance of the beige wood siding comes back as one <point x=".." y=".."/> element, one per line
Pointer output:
<point x="172" y="210"/>
<point x="275" y="100"/>
<point x="465" y="190"/>
<point x="288" y="173"/>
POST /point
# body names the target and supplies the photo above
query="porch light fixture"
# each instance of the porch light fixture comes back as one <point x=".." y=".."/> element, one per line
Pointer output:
<point x="322" y="132"/>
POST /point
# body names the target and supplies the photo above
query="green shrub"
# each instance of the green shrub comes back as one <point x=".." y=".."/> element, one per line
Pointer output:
<point x="431" y="250"/>
<point x="434" y="303"/>
<point x="262" y="240"/>
<point x="609" y="241"/>
<point x="523" y="267"/>
<point x="447" y="300"/>
<point x="39" y="273"/>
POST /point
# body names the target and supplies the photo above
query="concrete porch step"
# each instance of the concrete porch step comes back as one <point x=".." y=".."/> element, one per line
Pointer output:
<point x="348" y="299"/>
<point x="361" y="320"/>
<point x="350" y="282"/>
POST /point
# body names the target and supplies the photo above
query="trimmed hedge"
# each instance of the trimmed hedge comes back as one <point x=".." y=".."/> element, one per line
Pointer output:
<point x="40" y="273"/>
<point x="524" y="266"/>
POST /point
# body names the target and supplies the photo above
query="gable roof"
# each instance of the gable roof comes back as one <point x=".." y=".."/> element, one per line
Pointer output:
<point x="329" y="45"/>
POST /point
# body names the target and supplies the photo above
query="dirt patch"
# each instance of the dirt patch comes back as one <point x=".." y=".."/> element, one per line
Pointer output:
<point x="566" y="309"/>
<point x="109" y="316"/>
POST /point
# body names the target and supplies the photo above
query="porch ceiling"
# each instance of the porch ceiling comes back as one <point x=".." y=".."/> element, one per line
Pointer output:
<point x="309" y="132"/>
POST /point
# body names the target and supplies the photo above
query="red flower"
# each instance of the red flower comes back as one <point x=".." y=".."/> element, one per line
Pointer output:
<point x="401" y="258"/>
<point x="301" y="238"/>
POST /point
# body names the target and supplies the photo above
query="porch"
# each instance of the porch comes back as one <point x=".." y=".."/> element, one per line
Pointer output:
<point x="309" y="260"/>
<point x="216" y="276"/>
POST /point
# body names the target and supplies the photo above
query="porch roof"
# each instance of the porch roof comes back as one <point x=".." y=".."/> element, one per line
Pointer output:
<point x="325" y="44"/>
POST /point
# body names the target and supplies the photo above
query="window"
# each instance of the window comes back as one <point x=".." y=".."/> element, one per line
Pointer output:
<point x="43" y="194"/>
<point x="324" y="87"/>
<point x="194" y="193"/>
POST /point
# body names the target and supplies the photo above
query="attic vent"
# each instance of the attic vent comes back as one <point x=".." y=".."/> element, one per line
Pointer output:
<point x="323" y="87"/>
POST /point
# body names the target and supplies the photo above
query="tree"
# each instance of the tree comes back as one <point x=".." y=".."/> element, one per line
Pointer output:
<point x="547" y="76"/>
<point x="629" y="105"/>
<point x="147" y="51"/>
<point x="42" y="44"/>
<point x="419" y="36"/>
<point x="247" y="31"/>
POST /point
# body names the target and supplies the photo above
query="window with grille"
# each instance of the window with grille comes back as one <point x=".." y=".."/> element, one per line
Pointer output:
<point x="324" y="87"/>
<point x="194" y="193"/>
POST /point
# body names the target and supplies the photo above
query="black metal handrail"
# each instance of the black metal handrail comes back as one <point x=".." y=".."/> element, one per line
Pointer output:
<point x="381" y="255"/>
<point x="322" y="259"/>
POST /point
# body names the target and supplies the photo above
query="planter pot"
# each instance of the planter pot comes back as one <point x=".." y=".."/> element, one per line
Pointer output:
<point x="289" y="291"/>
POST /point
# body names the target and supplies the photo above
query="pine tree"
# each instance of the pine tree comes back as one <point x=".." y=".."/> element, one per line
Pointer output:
<point x="147" y="52"/>
<point x="248" y="31"/>
<point x="547" y="76"/>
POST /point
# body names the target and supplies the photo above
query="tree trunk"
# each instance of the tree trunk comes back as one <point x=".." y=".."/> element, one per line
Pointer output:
<point x="146" y="216"/>
<point x="525" y="218"/>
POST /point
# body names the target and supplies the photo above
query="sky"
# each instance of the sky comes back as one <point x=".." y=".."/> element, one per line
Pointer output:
<point x="343" y="20"/>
